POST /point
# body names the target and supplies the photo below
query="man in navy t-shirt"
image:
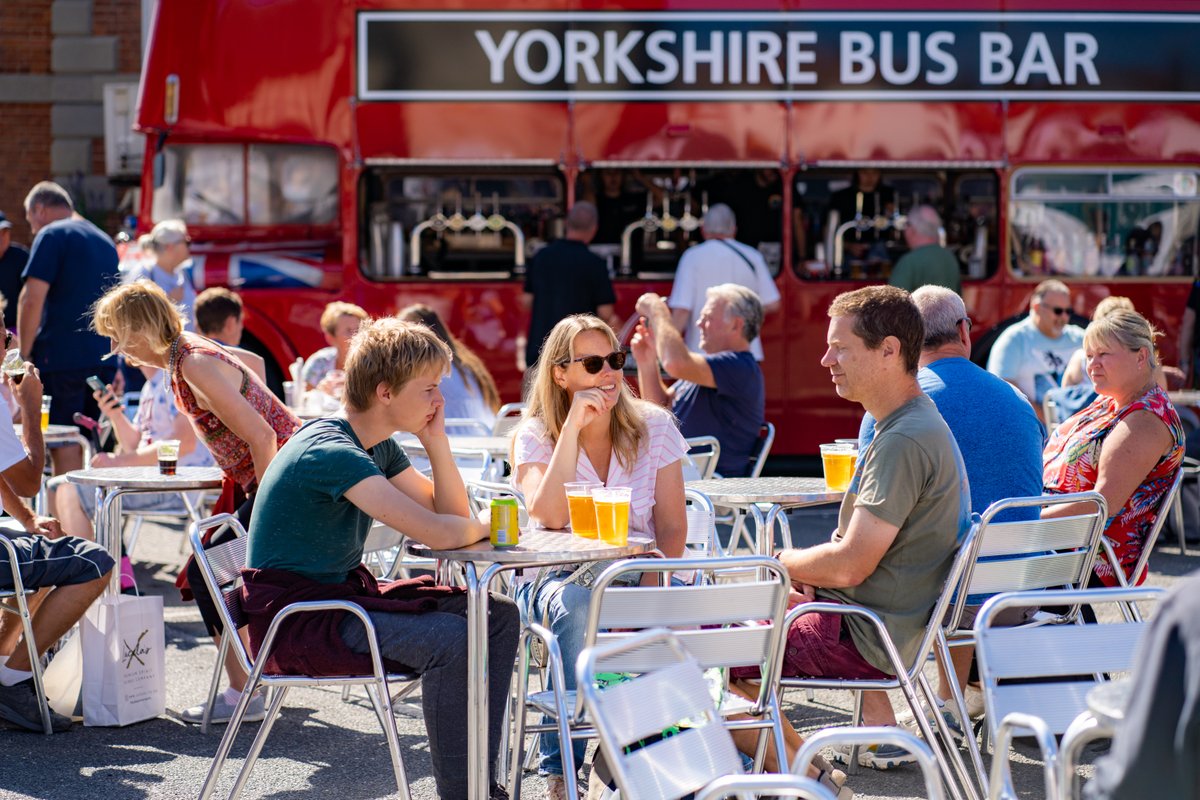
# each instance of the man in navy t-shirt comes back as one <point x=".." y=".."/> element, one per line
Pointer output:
<point x="72" y="263"/>
<point x="718" y="393"/>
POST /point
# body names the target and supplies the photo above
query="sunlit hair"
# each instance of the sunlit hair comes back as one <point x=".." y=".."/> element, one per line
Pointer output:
<point x="392" y="352"/>
<point x="139" y="308"/>
<point x="464" y="357"/>
<point x="213" y="307"/>
<point x="164" y="234"/>
<point x="1050" y="287"/>
<point x="941" y="311"/>
<point x="742" y="303"/>
<point x="882" y="311"/>
<point x="550" y="403"/>
<point x="336" y="310"/>
<point x="1111" y="304"/>
<point x="1124" y="328"/>
<point x="49" y="195"/>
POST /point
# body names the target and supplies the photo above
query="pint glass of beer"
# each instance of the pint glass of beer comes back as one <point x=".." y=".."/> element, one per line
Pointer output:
<point x="612" y="514"/>
<point x="839" y="461"/>
<point x="582" y="507"/>
<point x="168" y="456"/>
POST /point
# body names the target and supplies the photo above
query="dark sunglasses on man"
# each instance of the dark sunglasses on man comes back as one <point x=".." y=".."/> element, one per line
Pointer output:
<point x="593" y="364"/>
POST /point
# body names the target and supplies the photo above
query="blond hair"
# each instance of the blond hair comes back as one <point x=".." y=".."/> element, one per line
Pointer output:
<point x="1111" y="304"/>
<point x="392" y="352"/>
<point x="1124" y="328"/>
<point x="336" y="310"/>
<point x="550" y="403"/>
<point x="139" y="308"/>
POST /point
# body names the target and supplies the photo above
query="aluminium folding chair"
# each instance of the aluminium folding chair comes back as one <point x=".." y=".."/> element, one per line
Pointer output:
<point x="15" y="601"/>
<point x="908" y="677"/>
<point x="671" y="693"/>
<point x="722" y="625"/>
<point x="1139" y="569"/>
<point x="1050" y="554"/>
<point x="1036" y="678"/>
<point x="221" y="567"/>
<point x="467" y="426"/>
<point x="758" y="459"/>
<point x="832" y="737"/>
<point x="507" y="418"/>
<point x="704" y="452"/>
<point x="1191" y="474"/>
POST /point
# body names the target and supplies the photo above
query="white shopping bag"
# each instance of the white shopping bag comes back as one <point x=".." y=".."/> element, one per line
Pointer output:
<point x="63" y="679"/>
<point x="124" y="668"/>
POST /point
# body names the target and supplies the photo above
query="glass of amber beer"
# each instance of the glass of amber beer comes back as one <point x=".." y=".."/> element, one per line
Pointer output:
<point x="612" y="514"/>
<point x="839" y="461"/>
<point x="582" y="507"/>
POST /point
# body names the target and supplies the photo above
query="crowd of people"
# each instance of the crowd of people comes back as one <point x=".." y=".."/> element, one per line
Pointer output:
<point x="941" y="438"/>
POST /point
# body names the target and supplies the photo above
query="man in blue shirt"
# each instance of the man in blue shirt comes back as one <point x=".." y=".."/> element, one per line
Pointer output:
<point x="997" y="432"/>
<point x="719" y="392"/>
<point x="71" y="265"/>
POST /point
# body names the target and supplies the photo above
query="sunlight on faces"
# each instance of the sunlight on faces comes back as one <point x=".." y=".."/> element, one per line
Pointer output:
<point x="853" y="367"/>
<point x="343" y="331"/>
<point x="1044" y="316"/>
<point x="1114" y="369"/>
<point x="573" y="377"/>
<point x="415" y="403"/>
<point x="717" y="325"/>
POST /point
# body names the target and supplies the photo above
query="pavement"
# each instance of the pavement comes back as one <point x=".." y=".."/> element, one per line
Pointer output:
<point x="324" y="747"/>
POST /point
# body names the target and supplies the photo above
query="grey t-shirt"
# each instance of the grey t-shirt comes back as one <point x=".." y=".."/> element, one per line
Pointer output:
<point x="910" y="476"/>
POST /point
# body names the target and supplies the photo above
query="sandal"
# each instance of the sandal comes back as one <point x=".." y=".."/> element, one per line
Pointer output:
<point x="832" y="779"/>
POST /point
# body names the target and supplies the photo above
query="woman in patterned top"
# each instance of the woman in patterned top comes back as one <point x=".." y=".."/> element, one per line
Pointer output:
<point x="1127" y="444"/>
<point x="240" y="421"/>
<point x="583" y="424"/>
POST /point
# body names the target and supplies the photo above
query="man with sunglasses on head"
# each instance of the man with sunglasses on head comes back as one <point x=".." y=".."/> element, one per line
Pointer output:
<point x="1033" y="354"/>
<point x="719" y="392"/>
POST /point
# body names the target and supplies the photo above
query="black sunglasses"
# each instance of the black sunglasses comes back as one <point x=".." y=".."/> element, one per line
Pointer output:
<point x="593" y="364"/>
<point x="1059" y="311"/>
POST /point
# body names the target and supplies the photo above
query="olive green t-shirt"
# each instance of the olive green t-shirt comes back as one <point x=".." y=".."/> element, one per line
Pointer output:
<point x="302" y="521"/>
<point x="910" y="476"/>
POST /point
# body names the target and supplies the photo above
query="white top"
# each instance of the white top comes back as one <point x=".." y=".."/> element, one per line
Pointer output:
<point x="662" y="445"/>
<point x="712" y="263"/>
<point x="1031" y="360"/>
<point x="11" y="449"/>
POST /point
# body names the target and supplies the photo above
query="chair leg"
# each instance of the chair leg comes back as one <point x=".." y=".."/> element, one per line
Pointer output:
<point x="35" y="663"/>
<point x="852" y="761"/>
<point x="947" y="741"/>
<point x="381" y="700"/>
<point x="961" y="704"/>
<point x="231" y="731"/>
<point x="931" y="738"/>
<point x="260" y="738"/>
<point x="135" y="530"/>
<point x="1177" y="521"/>
<point x="519" y="713"/>
<point x="215" y="684"/>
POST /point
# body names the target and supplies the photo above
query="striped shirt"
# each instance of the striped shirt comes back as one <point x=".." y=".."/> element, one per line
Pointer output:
<point x="663" y="445"/>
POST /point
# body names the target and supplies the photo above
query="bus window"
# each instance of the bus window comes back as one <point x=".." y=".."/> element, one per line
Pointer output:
<point x="202" y="185"/>
<point x="293" y="185"/>
<point x="1119" y="223"/>
<point x="850" y="223"/>
<point x="466" y="226"/>
<point x="649" y="216"/>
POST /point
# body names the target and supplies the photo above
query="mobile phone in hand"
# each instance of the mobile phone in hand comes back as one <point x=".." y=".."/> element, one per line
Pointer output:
<point x="96" y="384"/>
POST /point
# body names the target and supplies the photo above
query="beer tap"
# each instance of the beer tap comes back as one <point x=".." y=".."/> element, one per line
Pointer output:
<point x="649" y="223"/>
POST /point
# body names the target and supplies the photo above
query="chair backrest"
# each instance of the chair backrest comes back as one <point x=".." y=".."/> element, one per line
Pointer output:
<point x="720" y="625"/>
<point x="1057" y="664"/>
<point x="1160" y="519"/>
<point x="769" y="785"/>
<point x="898" y="737"/>
<point x="758" y="458"/>
<point x="701" y="524"/>
<point x="507" y="418"/>
<point x="671" y="691"/>
<point x="481" y="492"/>
<point x="382" y="553"/>
<point x="221" y="566"/>
<point x="467" y="426"/>
<point x="1043" y="553"/>
<point x="473" y="464"/>
<point x="705" y="452"/>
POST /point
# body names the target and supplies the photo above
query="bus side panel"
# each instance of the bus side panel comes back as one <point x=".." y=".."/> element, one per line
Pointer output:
<point x="897" y="132"/>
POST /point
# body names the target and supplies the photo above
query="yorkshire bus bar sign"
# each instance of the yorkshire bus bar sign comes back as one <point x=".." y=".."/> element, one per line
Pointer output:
<point x="714" y="56"/>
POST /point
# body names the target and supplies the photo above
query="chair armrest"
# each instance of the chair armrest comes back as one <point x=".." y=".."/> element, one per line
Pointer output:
<point x="820" y="607"/>
<point x="1083" y="730"/>
<point x="313" y="606"/>
<point x="1001" y="785"/>
<point x="11" y="552"/>
<point x="764" y="786"/>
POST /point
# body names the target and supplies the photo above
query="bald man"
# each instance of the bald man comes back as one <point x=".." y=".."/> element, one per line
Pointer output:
<point x="926" y="262"/>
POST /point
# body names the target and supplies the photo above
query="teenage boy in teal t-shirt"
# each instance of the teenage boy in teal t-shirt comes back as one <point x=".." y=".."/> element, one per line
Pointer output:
<point x="315" y="506"/>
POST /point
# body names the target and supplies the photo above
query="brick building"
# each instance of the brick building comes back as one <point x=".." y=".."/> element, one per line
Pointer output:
<point x="56" y="57"/>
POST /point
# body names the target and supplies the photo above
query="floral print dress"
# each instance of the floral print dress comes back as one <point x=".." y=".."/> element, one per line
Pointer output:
<point x="1071" y="463"/>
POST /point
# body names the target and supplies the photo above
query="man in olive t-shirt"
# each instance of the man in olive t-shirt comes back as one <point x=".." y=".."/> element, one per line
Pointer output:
<point x="906" y="510"/>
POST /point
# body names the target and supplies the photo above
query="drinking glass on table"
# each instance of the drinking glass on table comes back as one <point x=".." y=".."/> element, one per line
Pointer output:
<point x="46" y="402"/>
<point x="582" y="507"/>
<point x="612" y="514"/>
<point x="839" y="461"/>
<point x="168" y="456"/>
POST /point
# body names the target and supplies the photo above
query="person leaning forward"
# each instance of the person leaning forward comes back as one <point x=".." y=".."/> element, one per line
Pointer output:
<point x="901" y="520"/>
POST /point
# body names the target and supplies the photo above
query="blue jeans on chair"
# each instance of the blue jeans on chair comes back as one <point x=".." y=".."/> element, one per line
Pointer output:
<point x="565" y="606"/>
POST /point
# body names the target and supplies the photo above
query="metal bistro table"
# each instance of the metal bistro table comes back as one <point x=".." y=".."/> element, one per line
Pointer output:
<point x="537" y="548"/>
<point x="111" y="483"/>
<point x="494" y="445"/>
<point x="749" y="495"/>
<point x="57" y="435"/>
<point x="1185" y="397"/>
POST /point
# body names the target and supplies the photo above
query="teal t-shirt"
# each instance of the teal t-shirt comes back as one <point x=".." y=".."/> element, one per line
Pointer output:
<point x="302" y="521"/>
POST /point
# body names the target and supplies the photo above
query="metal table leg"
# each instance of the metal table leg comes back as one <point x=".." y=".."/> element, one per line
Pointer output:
<point x="477" y="678"/>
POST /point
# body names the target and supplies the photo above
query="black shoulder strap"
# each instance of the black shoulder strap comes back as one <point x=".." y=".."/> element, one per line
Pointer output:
<point x="741" y="255"/>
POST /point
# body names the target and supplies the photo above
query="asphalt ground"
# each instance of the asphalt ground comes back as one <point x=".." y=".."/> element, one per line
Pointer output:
<point x="324" y="747"/>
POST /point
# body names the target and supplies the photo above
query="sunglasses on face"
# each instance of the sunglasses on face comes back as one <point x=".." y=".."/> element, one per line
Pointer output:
<point x="1059" y="311"/>
<point x="593" y="364"/>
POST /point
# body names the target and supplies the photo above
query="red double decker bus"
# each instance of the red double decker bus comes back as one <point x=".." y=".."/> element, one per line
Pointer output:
<point x="387" y="153"/>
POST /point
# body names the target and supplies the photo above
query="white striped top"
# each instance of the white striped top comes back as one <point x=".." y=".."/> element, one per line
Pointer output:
<point x="663" y="445"/>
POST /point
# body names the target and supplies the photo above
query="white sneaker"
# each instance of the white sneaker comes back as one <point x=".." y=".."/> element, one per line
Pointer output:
<point x="974" y="699"/>
<point x="949" y="714"/>
<point x="876" y="756"/>
<point x="222" y="711"/>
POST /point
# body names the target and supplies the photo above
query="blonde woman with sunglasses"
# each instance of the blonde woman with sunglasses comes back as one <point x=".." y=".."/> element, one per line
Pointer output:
<point x="582" y="423"/>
